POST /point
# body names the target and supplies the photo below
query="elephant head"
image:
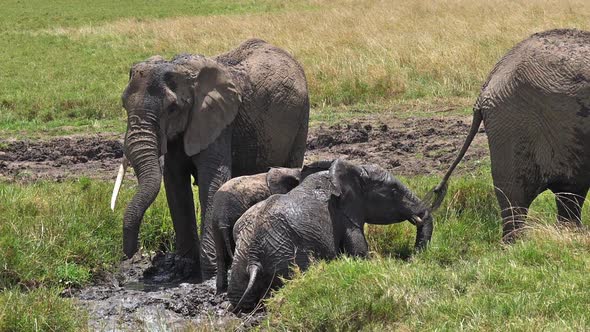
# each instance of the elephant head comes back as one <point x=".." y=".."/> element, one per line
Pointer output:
<point x="370" y="194"/>
<point x="190" y="98"/>
<point x="281" y="180"/>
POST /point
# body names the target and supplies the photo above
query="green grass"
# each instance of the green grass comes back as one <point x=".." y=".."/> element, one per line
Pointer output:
<point x="59" y="235"/>
<point x="40" y="309"/>
<point x="46" y="75"/>
<point x="68" y="61"/>
<point x="466" y="280"/>
<point x="23" y="16"/>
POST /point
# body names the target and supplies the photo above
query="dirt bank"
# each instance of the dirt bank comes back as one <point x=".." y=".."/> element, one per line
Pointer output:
<point x="404" y="146"/>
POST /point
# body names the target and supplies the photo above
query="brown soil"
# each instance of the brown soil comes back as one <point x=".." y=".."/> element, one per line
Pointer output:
<point x="404" y="146"/>
<point x="64" y="157"/>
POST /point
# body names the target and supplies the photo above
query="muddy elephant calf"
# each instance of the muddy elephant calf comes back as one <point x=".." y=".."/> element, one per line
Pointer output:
<point x="323" y="217"/>
<point x="237" y="195"/>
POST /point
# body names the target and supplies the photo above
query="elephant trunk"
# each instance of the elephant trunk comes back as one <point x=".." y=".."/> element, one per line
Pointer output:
<point x="141" y="148"/>
<point x="422" y="218"/>
<point x="424" y="232"/>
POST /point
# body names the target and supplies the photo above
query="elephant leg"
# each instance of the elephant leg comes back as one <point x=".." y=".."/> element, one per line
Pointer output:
<point x="514" y="200"/>
<point x="569" y="204"/>
<point x="295" y="158"/>
<point x="355" y="243"/>
<point x="214" y="169"/>
<point x="222" y="259"/>
<point x="177" y="181"/>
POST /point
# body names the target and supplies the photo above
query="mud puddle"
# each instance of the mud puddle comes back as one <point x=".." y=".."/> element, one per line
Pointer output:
<point x="405" y="146"/>
<point x="127" y="301"/>
<point x="60" y="158"/>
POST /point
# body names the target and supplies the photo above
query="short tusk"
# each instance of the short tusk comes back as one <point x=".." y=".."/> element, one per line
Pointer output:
<point x="417" y="220"/>
<point x="119" y="181"/>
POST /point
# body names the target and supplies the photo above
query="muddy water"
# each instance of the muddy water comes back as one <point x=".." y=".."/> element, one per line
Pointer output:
<point x="126" y="300"/>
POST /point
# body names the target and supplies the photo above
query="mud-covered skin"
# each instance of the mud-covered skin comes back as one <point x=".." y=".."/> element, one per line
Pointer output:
<point x="535" y="106"/>
<point x="212" y="119"/>
<point x="323" y="218"/>
<point x="229" y="203"/>
<point x="238" y="195"/>
<point x="127" y="300"/>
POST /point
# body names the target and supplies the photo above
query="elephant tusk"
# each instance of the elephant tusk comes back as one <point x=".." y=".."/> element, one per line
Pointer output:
<point x="417" y="220"/>
<point x="119" y="181"/>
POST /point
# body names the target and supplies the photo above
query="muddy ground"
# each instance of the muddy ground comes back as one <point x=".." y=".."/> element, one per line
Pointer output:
<point x="404" y="146"/>
<point x="124" y="300"/>
<point x="134" y="299"/>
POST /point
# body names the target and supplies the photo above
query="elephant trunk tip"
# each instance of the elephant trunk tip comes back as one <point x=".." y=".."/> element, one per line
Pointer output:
<point x="435" y="197"/>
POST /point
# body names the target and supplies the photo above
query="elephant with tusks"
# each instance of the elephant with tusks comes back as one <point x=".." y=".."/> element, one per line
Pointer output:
<point x="212" y="118"/>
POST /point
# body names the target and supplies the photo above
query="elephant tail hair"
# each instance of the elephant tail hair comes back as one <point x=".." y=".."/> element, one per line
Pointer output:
<point x="435" y="197"/>
<point x="253" y="270"/>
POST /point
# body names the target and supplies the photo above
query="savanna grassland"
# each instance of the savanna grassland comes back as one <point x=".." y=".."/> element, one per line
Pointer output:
<point x="64" y="64"/>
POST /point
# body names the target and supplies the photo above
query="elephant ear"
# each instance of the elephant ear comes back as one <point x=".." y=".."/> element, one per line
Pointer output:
<point x="282" y="180"/>
<point x="314" y="167"/>
<point x="347" y="191"/>
<point x="216" y="103"/>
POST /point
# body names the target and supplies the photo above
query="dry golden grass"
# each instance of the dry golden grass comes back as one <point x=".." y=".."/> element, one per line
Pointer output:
<point x="357" y="51"/>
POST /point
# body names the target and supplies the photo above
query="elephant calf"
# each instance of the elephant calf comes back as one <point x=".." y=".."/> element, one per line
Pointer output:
<point x="323" y="217"/>
<point x="237" y="195"/>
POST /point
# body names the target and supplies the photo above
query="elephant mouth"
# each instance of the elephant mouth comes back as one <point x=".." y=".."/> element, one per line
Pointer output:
<point x="419" y="218"/>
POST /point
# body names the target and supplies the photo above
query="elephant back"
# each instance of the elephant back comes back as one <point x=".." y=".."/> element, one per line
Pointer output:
<point x="536" y="105"/>
<point x="273" y="118"/>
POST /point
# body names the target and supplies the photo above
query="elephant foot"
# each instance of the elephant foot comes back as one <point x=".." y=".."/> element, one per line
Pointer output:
<point x="512" y="230"/>
<point x="221" y="284"/>
<point x="571" y="224"/>
<point x="172" y="268"/>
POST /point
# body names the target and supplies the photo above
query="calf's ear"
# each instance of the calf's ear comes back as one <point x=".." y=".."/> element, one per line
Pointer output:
<point x="282" y="180"/>
<point x="314" y="167"/>
<point x="347" y="187"/>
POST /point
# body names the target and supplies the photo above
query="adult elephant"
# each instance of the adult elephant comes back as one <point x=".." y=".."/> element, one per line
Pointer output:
<point x="535" y="107"/>
<point x="213" y="118"/>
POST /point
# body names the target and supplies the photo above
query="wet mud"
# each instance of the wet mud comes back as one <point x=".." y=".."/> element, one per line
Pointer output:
<point x="60" y="158"/>
<point x="404" y="146"/>
<point x="134" y="299"/>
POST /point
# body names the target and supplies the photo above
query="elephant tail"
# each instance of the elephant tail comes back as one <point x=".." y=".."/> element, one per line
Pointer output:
<point x="253" y="270"/>
<point x="435" y="197"/>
